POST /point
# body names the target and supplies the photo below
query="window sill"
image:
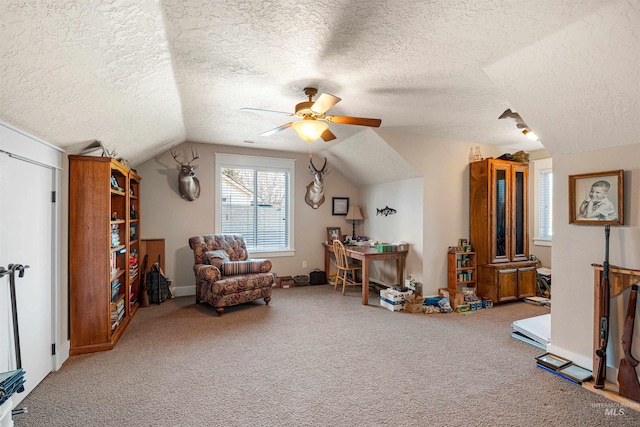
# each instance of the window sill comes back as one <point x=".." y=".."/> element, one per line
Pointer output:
<point x="542" y="242"/>
<point x="272" y="254"/>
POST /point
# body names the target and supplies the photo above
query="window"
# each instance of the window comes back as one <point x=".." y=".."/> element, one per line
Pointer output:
<point x="254" y="199"/>
<point x="543" y="193"/>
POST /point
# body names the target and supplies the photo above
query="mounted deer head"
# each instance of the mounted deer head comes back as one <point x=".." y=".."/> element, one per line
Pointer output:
<point x="314" y="196"/>
<point x="188" y="184"/>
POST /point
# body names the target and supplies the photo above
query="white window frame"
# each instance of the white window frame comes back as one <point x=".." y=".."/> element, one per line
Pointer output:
<point x="257" y="162"/>
<point x="540" y="166"/>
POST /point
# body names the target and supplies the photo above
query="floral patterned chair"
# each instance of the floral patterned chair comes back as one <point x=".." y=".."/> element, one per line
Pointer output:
<point x="224" y="273"/>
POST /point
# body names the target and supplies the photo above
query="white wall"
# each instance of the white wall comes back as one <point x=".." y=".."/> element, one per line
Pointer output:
<point x="406" y="225"/>
<point x="166" y="215"/>
<point x="576" y="247"/>
<point x="444" y="164"/>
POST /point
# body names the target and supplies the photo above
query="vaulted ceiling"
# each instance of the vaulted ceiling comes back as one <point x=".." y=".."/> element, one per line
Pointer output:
<point x="142" y="76"/>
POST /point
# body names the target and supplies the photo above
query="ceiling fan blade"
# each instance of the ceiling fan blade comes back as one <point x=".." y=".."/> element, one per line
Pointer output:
<point x="324" y="102"/>
<point x="327" y="136"/>
<point x="276" y="130"/>
<point x="257" y="110"/>
<point x="360" y="121"/>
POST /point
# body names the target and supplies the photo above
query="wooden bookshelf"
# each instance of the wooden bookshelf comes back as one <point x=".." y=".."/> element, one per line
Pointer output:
<point x="102" y="291"/>
<point x="461" y="270"/>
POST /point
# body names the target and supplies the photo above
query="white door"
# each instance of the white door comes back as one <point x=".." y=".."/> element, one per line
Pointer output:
<point x="26" y="238"/>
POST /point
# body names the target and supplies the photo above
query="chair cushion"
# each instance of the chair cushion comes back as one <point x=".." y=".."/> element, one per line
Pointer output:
<point x="233" y="268"/>
<point x="217" y="257"/>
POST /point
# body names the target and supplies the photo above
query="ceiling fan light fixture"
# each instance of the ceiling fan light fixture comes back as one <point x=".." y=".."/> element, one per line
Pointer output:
<point x="310" y="130"/>
<point x="529" y="134"/>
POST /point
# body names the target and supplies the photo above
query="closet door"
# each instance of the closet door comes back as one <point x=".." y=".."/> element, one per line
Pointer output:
<point x="26" y="214"/>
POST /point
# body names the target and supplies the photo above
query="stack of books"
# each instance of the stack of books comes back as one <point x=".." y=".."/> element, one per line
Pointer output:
<point x="117" y="314"/>
<point x="115" y="290"/>
<point x="133" y="271"/>
<point x="115" y="235"/>
<point x="563" y="368"/>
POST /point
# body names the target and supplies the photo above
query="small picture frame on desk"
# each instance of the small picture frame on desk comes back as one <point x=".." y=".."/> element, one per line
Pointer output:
<point x="333" y="233"/>
<point x="340" y="205"/>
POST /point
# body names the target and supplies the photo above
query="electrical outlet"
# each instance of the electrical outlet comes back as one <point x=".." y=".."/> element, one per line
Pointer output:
<point x="304" y="264"/>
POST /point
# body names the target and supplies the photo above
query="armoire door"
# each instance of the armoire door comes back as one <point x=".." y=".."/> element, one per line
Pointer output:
<point x="519" y="213"/>
<point x="26" y="238"/>
<point x="500" y="198"/>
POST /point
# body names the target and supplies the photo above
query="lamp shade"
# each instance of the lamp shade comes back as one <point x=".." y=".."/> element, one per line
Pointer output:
<point x="354" y="214"/>
<point x="310" y="130"/>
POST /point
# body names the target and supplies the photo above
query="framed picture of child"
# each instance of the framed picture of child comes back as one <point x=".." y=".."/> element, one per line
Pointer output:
<point x="333" y="233"/>
<point x="597" y="198"/>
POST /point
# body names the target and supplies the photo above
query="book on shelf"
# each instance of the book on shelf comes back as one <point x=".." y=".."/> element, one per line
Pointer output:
<point x="113" y="263"/>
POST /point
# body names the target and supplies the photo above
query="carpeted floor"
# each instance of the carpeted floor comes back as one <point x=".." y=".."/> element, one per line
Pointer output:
<point x="315" y="358"/>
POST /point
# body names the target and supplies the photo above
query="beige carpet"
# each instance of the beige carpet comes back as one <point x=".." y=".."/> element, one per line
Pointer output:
<point x="315" y="358"/>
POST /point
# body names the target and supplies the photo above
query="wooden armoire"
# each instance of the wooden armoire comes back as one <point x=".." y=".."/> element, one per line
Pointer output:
<point x="498" y="229"/>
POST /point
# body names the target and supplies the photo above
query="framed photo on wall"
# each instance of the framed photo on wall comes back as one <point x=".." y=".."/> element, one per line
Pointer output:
<point x="340" y="205"/>
<point x="597" y="198"/>
<point x="333" y="233"/>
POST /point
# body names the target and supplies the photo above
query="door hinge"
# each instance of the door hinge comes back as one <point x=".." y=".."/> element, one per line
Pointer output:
<point x="53" y="197"/>
<point x="53" y="349"/>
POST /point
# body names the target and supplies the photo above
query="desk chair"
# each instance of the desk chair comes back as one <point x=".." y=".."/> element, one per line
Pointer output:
<point x="344" y="267"/>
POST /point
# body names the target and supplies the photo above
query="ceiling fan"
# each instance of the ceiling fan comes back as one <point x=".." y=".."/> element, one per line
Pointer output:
<point x="312" y="125"/>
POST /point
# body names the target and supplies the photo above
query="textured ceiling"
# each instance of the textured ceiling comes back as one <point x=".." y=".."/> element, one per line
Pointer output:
<point x="142" y="76"/>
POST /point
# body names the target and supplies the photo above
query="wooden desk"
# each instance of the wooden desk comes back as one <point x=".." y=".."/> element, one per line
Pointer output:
<point x="366" y="254"/>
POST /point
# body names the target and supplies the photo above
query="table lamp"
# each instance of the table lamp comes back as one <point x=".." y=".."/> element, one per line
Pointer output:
<point x="354" y="215"/>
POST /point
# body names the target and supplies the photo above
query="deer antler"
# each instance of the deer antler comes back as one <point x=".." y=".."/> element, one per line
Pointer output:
<point x="312" y="168"/>
<point x="194" y="155"/>
<point x="175" y="157"/>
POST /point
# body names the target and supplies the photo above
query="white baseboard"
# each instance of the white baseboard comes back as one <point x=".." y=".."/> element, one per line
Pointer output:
<point x="62" y="354"/>
<point x="183" y="291"/>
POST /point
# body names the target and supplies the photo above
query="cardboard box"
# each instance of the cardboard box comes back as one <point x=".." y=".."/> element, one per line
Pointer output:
<point x="392" y="299"/>
<point x="389" y="305"/>
<point x="413" y="303"/>
<point x="393" y="295"/>
<point x="287" y="282"/>
<point x="454" y="296"/>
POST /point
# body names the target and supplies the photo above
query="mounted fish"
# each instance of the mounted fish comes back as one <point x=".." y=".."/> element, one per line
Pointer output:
<point x="386" y="211"/>
<point x="314" y="196"/>
<point x="188" y="184"/>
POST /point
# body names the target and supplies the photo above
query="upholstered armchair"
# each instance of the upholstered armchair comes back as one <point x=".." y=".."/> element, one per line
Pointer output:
<point x="224" y="273"/>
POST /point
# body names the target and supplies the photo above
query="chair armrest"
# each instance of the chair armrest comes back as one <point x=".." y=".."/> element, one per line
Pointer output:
<point x="207" y="273"/>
